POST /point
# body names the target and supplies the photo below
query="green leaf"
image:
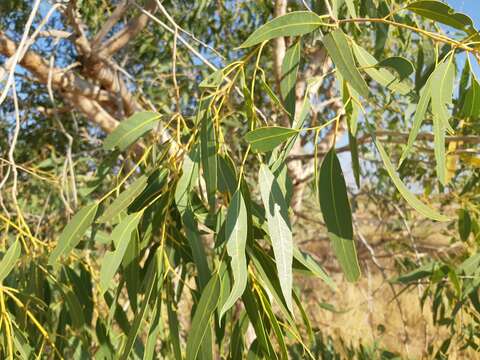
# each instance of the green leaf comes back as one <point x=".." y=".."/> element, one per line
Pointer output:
<point x="208" y="152"/>
<point x="421" y="109"/>
<point x="265" y="139"/>
<point x="403" y="67"/>
<point x="471" y="105"/>
<point x="150" y="278"/>
<point x="129" y="130"/>
<point x="10" y="259"/>
<point x="155" y="184"/>
<point x="292" y="24"/>
<point x="288" y="81"/>
<point x="411" y="199"/>
<point x="73" y="232"/>
<point x="437" y="11"/>
<point x="382" y="76"/>
<point x="124" y="199"/>
<point x="338" y="215"/>
<point x="340" y="51"/>
<point x="312" y="266"/>
<point x="442" y="89"/>
<point x="201" y="319"/>
<point x="351" y="8"/>
<point x="187" y="180"/>
<point x="236" y="234"/>
<point x="464" y="225"/>
<point x="213" y="80"/>
<point x="276" y="211"/>
<point x="121" y="235"/>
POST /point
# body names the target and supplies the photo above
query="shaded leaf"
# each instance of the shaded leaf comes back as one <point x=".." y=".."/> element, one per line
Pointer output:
<point x="292" y="24"/>
<point x="129" y="130"/>
<point x="267" y="138"/>
<point x="276" y="211"/>
<point x="213" y="80"/>
<point x="464" y="225"/>
<point x="337" y="214"/>
<point x="73" y="232"/>
<point x="340" y="51"/>
<point x="208" y="153"/>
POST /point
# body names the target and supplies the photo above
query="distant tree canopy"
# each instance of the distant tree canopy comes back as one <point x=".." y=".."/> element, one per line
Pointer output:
<point x="154" y="153"/>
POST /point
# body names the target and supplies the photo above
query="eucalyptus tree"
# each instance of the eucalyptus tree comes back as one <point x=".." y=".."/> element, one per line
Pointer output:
<point x="157" y="154"/>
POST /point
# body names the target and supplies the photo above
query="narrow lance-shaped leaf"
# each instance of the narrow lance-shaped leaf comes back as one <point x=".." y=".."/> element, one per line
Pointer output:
<point x="236" y="234"/>
<point x="471" y="105"/>
<point x="288" y="81"/>
<point x="340" y="51"/>
<point x="121" y="236"/>
<point x="187" y="180"/>
<point x="73" y="232"/>
<point x="10" y="259"/>
<point x="292" y="24"/>
<point x="129" y="130"/>
<point x="276" y="211"/>
<point x="124" y="199"/>
<point x="268" y="138"/>
<point x="150" y="278"/>
<point x="442" y="89"/>
<point x="201" y="319"/>
<point x="418" y="118"/>
<point x="209" y="157"/>
<point x="382" y="76"/>
<point x="337" y="214"/>
<point x="411" y="199"/>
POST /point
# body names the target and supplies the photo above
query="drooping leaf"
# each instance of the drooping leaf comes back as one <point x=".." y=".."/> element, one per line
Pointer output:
<point x="155" y="184"/>
<point x="290" y="65"/>
<point x="208" y="153"/>
<point x="471" y="105"/>
<point x="340" y="51"/>
<point x="421" y="109"/>
<point x="464" y="224"/>
<point x="10" y="259"/>
<point x="313" y="267"/>
<point x="411" y="199"/>
<point x="73" y="232"/>
<point x="382" y="76"/>
<point x="267" y="138"/>
<point x="201" y="319"/>
<point x="124" y="199"/>
<point x="438" y="11"/>
<point x="129" y="130"/>
<point x="187" y="180"/>
<point x="150" y="278"/>
<point x="292" y="24"/>
<point x="442" y="89"/>
<point x="403" y="67"/>
<point x="337" y="214"/>
<point x="121" y="236"/>
<point x="236" y="234"/>
<point x="227" y="178"/>
<point x="213" y="80"/>
<point x="276" y="212"/>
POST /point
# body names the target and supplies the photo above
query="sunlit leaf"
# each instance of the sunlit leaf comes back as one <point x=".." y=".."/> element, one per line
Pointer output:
<point x="340" y="51"/>
<point x="292" y="24"/>
<point x="129" y="130"/>
<point x="411" y="199"/>
<point x="236" y="234"/>
<point x="9" y="259"/>
<point x="121" y="235"/>
<point x="73" y="232"/>
<point x="267" y="138"/>
<point x="403" y="67"/>
<point x="201" y="319"/>
<point x="290" y="65"/>
<point x="276" y="211"/>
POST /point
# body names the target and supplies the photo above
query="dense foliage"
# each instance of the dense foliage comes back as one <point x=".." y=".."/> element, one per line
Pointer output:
<point x="157" y="159"/>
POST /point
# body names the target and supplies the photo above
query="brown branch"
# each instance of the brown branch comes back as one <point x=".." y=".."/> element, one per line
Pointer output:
<point x="116" y="15"/>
